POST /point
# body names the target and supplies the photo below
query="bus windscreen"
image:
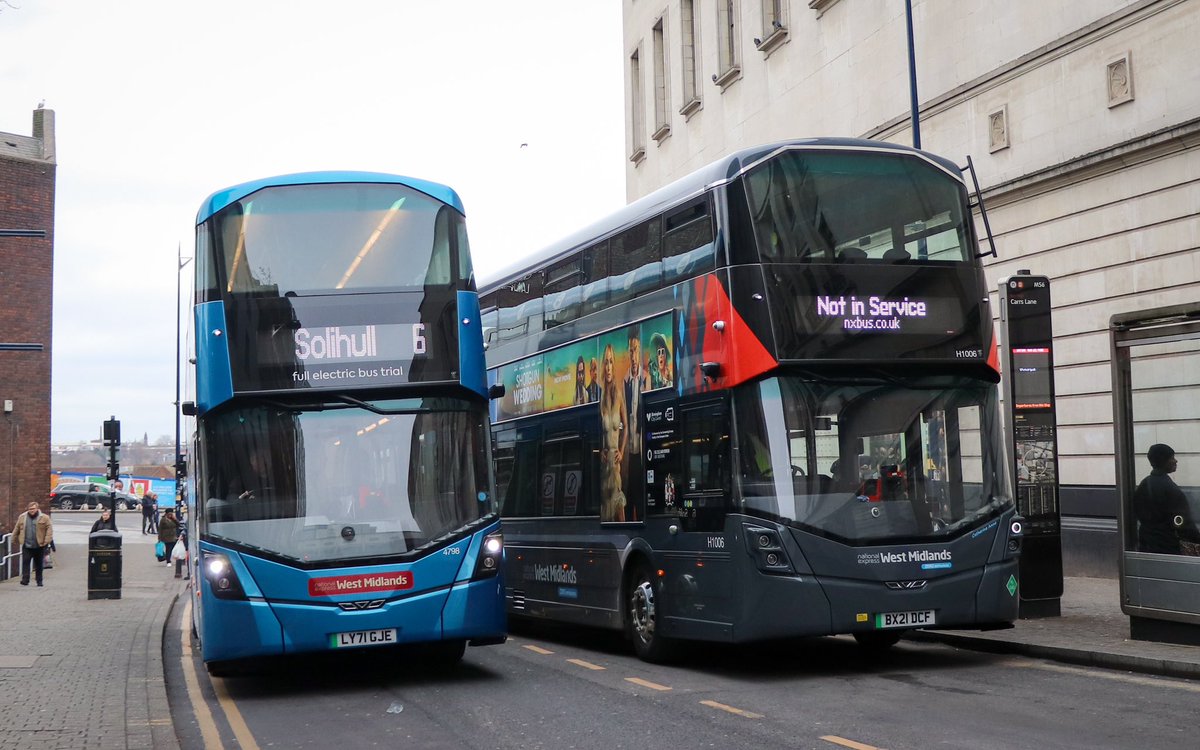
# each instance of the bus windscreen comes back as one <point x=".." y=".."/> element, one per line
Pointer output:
<point x="318" y="239"/>
<point x="331" y="484"/>
<point x="833" y="207"/>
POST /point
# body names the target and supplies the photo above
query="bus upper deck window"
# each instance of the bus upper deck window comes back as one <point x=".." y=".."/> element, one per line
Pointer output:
<point x="688" y="248"/>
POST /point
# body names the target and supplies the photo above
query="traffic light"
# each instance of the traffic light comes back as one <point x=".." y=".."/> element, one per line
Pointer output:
<point x="114" y="469"/>
<point x="112" y="431"/>
<point x="180" y="470"/>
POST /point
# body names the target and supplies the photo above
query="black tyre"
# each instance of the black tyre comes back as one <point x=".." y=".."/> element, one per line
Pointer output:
<point x="878" y="640"/>
<point x="643" y="616"/>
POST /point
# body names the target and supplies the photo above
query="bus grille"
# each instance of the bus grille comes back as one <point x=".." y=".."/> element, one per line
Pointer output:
<point x="518" y="601"/>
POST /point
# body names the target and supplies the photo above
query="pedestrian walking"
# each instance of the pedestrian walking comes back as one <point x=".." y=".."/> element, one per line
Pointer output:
<point x="168" y="533"/>
<point x="33" y="534"/>
<point x="149" y="512"/>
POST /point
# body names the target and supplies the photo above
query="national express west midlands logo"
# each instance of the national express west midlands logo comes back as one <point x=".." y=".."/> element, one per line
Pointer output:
<point x="929" y="559"/>
<point x="564" y="573"/>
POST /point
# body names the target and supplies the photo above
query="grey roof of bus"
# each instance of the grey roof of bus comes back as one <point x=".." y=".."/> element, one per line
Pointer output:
<point x="224" y="197"/>
<point x="722" y="170"/>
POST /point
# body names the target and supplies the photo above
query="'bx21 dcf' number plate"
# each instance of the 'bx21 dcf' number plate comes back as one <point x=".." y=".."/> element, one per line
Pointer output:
<point x="916" y="619"/>
<point x="363" y="638"/>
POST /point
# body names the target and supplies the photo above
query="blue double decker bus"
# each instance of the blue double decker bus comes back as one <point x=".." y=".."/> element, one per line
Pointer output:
<point x="339" y="475"/>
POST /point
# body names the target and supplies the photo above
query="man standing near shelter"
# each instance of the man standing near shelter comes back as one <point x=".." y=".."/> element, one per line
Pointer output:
<point x="33" y="533"/>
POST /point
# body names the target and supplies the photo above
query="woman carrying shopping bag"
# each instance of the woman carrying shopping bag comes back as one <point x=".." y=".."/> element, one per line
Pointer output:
<point x="168" y="534"/>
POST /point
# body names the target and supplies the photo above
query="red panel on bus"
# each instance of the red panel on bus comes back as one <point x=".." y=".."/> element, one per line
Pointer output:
<point x="736" y="348"/>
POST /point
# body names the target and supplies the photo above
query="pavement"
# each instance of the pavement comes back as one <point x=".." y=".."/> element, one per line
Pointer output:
<point x="80" y="673"/>
<point x="1091" y="631"/>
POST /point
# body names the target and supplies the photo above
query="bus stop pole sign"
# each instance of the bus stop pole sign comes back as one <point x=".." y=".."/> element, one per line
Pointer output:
<point x="1025" y="319"/>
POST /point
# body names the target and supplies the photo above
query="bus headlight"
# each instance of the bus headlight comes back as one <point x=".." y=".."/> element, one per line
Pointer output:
<point x="766" y="547"/>
<point x="491" y="554"/>
<point x="1016" y="530"/>
<point x="219" y="573"/>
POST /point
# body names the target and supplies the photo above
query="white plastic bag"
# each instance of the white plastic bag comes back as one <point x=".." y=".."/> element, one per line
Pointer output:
<point x="179" y="552"/>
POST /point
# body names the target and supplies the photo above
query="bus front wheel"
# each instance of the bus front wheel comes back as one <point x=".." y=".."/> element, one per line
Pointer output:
<point x="644" y="616"/>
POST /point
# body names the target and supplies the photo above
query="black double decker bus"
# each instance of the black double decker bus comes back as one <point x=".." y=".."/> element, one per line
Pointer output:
<point x="760" y="402"/>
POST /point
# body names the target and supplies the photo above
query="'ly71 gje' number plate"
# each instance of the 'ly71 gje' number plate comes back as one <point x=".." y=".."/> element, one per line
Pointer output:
<point x="363" y="638"/>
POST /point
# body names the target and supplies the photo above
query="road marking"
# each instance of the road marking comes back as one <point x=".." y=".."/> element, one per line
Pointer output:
<point x="233" y="715"/>
<point x="646" y="683"/>
<point x="208" y="728"/>
<point x="585" y="664"/>
<point x="537" y="649"/>
<point x="731" y="709"/>
<point x="848" y="743"/>
<point x="1116" y="676"/>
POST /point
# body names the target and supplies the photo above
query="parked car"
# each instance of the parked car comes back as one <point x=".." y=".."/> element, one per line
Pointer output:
<point x="71" y="495"/>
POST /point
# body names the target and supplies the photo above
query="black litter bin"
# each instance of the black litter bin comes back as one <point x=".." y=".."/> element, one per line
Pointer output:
<point x="104" y="565"/>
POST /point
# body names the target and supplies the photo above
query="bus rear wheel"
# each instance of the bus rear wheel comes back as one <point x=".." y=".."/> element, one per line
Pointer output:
<point x="643" y="618"/>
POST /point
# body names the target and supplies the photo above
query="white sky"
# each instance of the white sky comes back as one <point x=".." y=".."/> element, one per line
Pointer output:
<point x="158" y="103"/>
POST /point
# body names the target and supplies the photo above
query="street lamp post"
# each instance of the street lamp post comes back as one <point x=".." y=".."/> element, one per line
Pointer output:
<point x="181" y="262"/>
<point x="912" y="77"/>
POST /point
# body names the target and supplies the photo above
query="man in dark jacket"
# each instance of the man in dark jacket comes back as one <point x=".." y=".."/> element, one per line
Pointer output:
<point x="1163" y="514"/>
<point x="149" y="510"/>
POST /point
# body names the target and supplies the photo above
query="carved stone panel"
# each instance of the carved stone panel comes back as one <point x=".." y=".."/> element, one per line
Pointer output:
<point x="998" y="129"/>
<point x="1120" y="80"/>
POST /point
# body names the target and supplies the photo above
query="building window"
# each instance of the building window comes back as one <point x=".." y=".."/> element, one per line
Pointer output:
<point x="662" y="92"/>
<point x="637" y="114"/>
<point x="689" y="34"/>
<point x="774" y="26"/>
<point x="727" y="31"/>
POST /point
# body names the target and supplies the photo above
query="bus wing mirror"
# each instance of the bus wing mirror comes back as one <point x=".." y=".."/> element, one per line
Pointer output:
<point x="188" y="408"/>
<point x="859" y="447"/>
<point x="496" y="390"/>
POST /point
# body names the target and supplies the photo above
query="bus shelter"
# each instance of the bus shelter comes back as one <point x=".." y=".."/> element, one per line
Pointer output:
<point x="1156" y="421"/>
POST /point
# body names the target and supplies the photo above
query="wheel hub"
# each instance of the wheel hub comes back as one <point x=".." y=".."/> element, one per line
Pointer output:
<point x="643" y="611"/>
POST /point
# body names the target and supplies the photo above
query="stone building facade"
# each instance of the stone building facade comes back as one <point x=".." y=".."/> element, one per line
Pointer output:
<point x="1083" y="121"/>
<point x="27" y="182"/>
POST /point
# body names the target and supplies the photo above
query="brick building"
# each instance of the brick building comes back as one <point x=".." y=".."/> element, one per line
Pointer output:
<point x="27" y="179"/>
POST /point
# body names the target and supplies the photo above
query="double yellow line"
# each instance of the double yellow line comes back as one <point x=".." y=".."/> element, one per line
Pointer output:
<point x="204" y="718"/>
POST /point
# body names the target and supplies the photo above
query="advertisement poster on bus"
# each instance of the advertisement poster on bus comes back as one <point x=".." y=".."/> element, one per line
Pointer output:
<point x="573" y="374"/>
<point x="611" y="370"/>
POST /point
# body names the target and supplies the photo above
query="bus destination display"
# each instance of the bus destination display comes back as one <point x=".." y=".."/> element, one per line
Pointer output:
<point x="288" y="343"/>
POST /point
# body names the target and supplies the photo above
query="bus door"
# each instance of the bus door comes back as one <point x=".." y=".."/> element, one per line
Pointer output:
<point x="696" y="551"/>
